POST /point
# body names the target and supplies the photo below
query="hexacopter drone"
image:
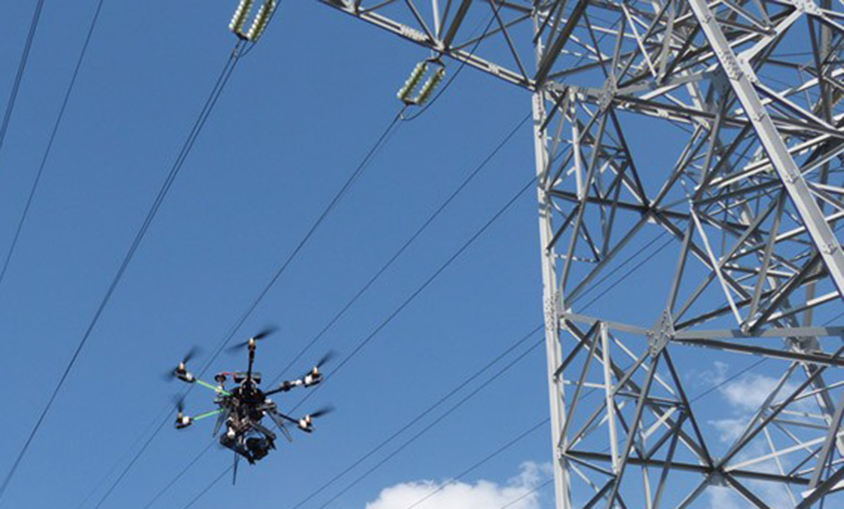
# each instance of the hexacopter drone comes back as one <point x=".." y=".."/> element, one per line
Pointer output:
<point x="242" y="408"/>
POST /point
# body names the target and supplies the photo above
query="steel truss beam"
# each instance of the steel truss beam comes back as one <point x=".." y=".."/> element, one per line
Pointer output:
<point x="747" y="97"/>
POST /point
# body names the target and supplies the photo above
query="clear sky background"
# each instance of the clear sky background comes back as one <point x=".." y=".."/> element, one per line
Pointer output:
<point x="299" y="113"/>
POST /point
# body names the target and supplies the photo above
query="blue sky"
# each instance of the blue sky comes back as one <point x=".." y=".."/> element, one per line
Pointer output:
<point x="299" y="113"/>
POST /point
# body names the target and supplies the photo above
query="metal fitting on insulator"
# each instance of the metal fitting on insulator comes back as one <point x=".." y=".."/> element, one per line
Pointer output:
<point x="411" y="83"/>
<point x="239" y="18"/>
<point x="430" y="85"/>
<point x="262" y="19"/>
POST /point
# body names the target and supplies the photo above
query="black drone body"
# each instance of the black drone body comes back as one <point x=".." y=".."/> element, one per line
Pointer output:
<point x="241" y="410"/>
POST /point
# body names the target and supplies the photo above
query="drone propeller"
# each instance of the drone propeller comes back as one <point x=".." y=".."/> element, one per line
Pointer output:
<point x="315" y="371"/>
<point x="325" y="358"/>
<point x="257" y="337"/>
<point x="322" y="411"/>
<point x="182" y="420"/>
<point x="190" y="354"/>
<point x="306" y="423"/>
<point x="178" y="402"/>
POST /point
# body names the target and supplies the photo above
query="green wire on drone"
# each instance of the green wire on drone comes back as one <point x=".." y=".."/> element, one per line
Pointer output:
<point x="207" y="414"/>
<point x="410" y="86"/>
<point x="259" y="24"/>
<point x="215" y="388"/>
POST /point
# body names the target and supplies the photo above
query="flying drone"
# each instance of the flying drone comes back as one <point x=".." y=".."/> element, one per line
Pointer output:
<point x="242" y="408"/>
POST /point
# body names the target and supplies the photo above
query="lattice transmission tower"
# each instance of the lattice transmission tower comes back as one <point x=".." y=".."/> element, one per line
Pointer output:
<point x="715" y="126"/>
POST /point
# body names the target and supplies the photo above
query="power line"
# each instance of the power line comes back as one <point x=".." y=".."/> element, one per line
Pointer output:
<point x="114" y="467"/>
<point x="190" y="465"/>
<point x="601" y="295"/>
<point x="13" y="96"/>
<point x="483" y="461"/>
<point x="418" y="418"/>
<point x="421" y="415"/>
<point x="628" y="273"/>
<point x="619" y="267"/>
<point x="410" y="299"/>
<point x="526" y="495"/>
<point x="50" y="142"/>
<point x="459" y="67"/>
<point x="359" y="479"/>
<point x="434" y="423"/>
<point x="129" y="466"/>
<point x="162" y="193"/>
<point x="397" y="254"/>
<point x="727" y="380"/>
<point x="207" y="488"/>
<point x="366" y="456"/>
<point x="462" y="186"/>
<point x="314" y="227"/>
<point x="353" y="177"/>
<point x="419" y="290"/>
<point x="378" y="145"/>
<point x="457" y="388"/>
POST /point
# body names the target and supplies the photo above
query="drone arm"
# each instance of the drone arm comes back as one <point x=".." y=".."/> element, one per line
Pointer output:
<point x="303" y="424"/>
<point x="207" y="414"/>
<point x="278" y="419"/>
<point x="214" y="388"/>
<point x="223" y="416"/>
<point x="284" y="387"/>
<point x="312" y="378"/>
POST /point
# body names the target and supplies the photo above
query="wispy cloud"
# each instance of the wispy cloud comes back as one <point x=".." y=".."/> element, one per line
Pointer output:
<point x="750" y="391"/>
<point x="708" y="377"/>
<point x="481" y="495"/>
<point x="744" y="397"/>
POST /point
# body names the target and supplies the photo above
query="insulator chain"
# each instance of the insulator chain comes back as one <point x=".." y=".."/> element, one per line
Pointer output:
<point x="423" y="93"/>
<point x="259" y="23"/>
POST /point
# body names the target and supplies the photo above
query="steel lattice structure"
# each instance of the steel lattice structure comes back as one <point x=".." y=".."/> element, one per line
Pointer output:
<point x="743" y="172"/>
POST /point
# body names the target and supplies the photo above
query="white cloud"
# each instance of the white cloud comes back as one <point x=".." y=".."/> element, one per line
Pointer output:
<point x="459" y="495"/>
<point x="709" y="377"/>
<point x="749" y="392"/>
<point x="730" y="429"/>
<point x="745" y="396"/>
<point x="724" y="498"/>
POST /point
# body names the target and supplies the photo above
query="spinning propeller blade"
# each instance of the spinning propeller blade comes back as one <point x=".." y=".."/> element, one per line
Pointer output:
<point x="193" y="352"/>
<point x="258" y="337"/>
<point x="179" y="403"/>
<point x="323" y="361"/>
<point x="190" y="354"/>
<point x="325" y="358"/>
<point x="266" y="332"/>
<point x="322" y="411"/>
